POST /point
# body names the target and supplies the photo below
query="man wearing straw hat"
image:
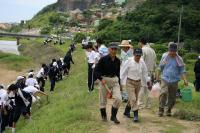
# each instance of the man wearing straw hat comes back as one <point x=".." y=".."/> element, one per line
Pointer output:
<point x="108" y="71"/>
<point x="126" y="52"/>
<point x="172" y="68"/>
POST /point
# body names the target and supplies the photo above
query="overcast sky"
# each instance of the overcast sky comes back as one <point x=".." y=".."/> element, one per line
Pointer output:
<point x="16" y="10"/>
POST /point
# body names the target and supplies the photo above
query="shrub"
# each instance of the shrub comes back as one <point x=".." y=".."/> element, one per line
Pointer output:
<point x="190" y="56"/>
<point x="79" y="37"/>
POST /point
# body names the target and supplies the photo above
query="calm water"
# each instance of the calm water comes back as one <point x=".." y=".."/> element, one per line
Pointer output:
<point x="9" y="47"/>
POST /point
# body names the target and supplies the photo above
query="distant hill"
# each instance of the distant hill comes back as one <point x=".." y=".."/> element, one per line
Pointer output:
<point x="157" y="20"/>
<point x="67" y="5"/>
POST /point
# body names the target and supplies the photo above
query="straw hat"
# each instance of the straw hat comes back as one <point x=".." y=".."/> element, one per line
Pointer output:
<point x="125" y="43"/>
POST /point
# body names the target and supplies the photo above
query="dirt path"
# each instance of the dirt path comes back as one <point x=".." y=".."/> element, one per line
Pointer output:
<point x="151" y="123"/>
<point x="8" y="76"/>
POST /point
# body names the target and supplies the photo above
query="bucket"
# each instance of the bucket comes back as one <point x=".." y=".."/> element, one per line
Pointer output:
<point x="186" y="95"/>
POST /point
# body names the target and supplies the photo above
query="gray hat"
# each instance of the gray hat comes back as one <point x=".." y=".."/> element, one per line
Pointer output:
<point x="138" y="51"/>
<point x="113" y="45"/>
<point x="173" y="47"/>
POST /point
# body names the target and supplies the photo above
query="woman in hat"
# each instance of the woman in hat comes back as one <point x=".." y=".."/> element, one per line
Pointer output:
<point x="126" y="52"/>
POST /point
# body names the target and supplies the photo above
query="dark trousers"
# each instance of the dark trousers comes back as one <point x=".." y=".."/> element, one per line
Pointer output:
<point x="18" y="111"/>
<point x="41" y="82"/>
<point x="53" y="83"/>
<point x="90" y="77"/>
<point x="197" y="84"/>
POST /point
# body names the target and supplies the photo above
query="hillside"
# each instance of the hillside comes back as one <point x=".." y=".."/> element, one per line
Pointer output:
<point x="156" y="20"/>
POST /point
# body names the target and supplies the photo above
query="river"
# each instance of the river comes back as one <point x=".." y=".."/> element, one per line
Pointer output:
<point x="9" y="47"/>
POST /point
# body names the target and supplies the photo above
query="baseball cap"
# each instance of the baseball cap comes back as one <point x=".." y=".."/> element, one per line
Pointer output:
<point x="19" y="78"/>
<point x="113" y="45"/>
<point x="173" y="47"/>
<point x="138" y="51"/>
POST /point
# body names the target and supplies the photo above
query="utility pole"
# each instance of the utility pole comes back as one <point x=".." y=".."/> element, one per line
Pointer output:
<point x="180" y="21"/>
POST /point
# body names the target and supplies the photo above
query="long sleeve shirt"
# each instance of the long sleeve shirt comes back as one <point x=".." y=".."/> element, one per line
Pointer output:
<point x="149" y="57"/>
<point x="107" y="67"/>
<point x="125" y="55"/>
<point x="170" y="71"/>
<point x="135" y="71"/>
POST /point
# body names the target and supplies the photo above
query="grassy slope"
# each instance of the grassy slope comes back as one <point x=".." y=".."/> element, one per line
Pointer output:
<point x="14" y="62"/>
<point x="71" y="108"/>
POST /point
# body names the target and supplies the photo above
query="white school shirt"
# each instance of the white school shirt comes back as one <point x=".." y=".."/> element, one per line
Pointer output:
<point x="135" y="71"/>
<point x="31" y="89"/>
<point x="92" y="57"/>
<point x="98" y="56"/>
<point x="31" y="82"/>
<point x="40" y="73"/>
<point x="3" y="96"/>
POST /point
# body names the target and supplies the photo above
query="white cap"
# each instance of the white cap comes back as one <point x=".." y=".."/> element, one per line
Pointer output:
<point x="55" y="64"/>
<point x="61" y="59"/>
<point x="199" y="57"/>
<point x="19" y="78"/>
<point x="31" y="73"/>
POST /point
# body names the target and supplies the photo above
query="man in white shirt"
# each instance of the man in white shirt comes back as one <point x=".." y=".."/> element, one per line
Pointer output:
<point x="149" y="57"/>
<point x="133" y="75"/>
<point x="31" y="81"/>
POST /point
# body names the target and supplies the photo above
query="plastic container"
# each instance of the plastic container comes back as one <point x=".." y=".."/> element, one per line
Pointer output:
<point x="186" y="94"/>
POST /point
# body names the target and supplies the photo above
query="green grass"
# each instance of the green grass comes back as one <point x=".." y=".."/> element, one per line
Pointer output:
<point x="15" y="62"/>
<point x="38" y="52"/>
<point x="71" y="108"/>
<point x="8" y="38"/>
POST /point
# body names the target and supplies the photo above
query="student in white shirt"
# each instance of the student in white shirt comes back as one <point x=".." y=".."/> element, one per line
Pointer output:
<point x="91" y="61"/>
<point x="41" y="77"/>
<point x="33" y="91"/>
<point x="31" y="81"/>
<point x="133" y="75"/>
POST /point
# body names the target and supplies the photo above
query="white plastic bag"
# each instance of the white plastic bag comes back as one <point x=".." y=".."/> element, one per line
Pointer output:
<point x="155" y="92"/>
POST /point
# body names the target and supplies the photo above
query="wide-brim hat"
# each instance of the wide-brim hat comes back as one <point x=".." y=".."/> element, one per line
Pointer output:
<point x="125" y="43"/>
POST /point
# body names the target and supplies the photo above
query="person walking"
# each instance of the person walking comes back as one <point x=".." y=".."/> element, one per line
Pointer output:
<point x="149" y="57"/>
<point x="172" y="68"/>
<point x="53" y="72"/>
<point x="197" y="74"/>
<point x="67" y="62"/>
<point x="108" y="72"/>
<point x="133" y="75"/>
<point x="126" y="52"/>
<point x="91" y="63"/>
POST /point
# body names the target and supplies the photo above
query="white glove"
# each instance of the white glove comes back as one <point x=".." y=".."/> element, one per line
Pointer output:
<point x="93" y="66"/>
